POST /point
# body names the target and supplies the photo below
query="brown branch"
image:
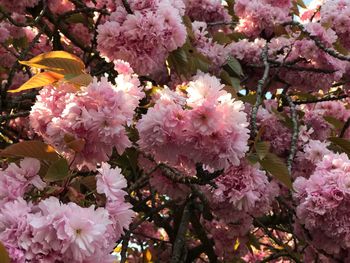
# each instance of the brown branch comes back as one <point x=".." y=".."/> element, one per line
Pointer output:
<point x="299" y="102"/>
<point x="127" y="7"/>
<point x="179" y="249"/>
<point x="201" y="234"/>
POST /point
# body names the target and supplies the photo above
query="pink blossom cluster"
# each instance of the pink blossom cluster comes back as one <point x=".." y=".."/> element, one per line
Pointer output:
<point x="312" y="57"/>
<point x="229" y="238"/>
<point x="161" y="183"/>
<point x="257" y="16"/>
<point x="301" y="53"/>
<point x="244" y="188"/>
<point x="217" y="53"/>
<point x="207" y="11"/>
<point x="308" y="156"/>
<point x="323" y="203"/>
<point x="242" y="191"/>
<point x="96" y="116"/>
<point x="110" y="182"/>
<point x="206" y="126"/>
<point x="50" y="231"/>
<point x="276" y="128"/>
<point x="17" y="6"/>
<point x="315" y="117"/>
<point x="274" y="131"/>
<point x="16" y="180"/>
<point x="60" y="6"/>
<point x="143" y="38"/>
<point x="335" y="14"/>
<point x="81" y="31"/>
<point x="247" y="51"/>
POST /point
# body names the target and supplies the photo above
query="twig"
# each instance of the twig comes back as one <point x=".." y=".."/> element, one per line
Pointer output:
<point x="13" y="116"/>
<point x="124" y="247"/>
<point x="345" y="127"/>
<point x="259" y="94"/>
<point x="320" y="100"/>
<point x="174" y="175"/>
<point x="221" y="23"/>
<point x="318" y="42"/>
<point x="295" y="133"/>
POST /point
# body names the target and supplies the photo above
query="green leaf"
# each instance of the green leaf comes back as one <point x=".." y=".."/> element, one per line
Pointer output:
<point x="342" y="143"/>
<point x="250" y="98"/>
<point x="340" y="48"/>
<point x="231" y="81"/>
<point x="188" y="23"/>
<point x="178" y="60"/>
<point x="277" y="168"/>
<point x="334" y="121"/>
<point x="305" y="96"/>
<point x="79" y="79"/>
<point x="20" y="43"/>
<point x="221" y="38"/>
<point x="33" y="149"/>
<point x="58" y="171"/>
<point x="253" y="241"/>
<point x="236" y="36"/>
<point x="301" y="4"/>
<point x="89" y="182"/>
<point x="233" y="67"/>
<point x="253" y="158"/>
<point x="262" y="149"/>
<point x="186" y="60"/>
<point x="78" y="18"/>
<point x="4" y="256"/>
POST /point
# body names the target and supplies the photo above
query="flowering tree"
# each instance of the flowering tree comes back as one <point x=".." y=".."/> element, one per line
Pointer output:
<point x="174" y="131"/>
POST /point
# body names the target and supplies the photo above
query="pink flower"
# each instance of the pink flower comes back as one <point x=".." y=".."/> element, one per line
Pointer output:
<point x="260" y="15"/>
<point x="17" y="6"/>
<point x="246" y="188"/>
<point x="110" y="182"/>
<point x="207" y="11"/>
<point x="68" y="232"/>
<point x="14" y="225"/>
<point x="16" y="180"/>
<point x="323" y="203"/>
<point x="316" y="150"/>
<point x="143" y="38"/>
<point x="96" y="115"/>
<point x="211" y="129"/>
<point x="121" y="214"/>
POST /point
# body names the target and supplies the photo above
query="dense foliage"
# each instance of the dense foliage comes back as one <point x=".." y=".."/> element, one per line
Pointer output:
<point x="174" y="131"/>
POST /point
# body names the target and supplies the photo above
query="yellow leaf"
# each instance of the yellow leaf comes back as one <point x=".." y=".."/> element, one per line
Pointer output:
<point x="118" y="249"/>
<point x="33" y="149"/>
<point x="39" y="80"/>
<point x="58" y="61"/>
<point x="236" y="245"/>
<point x="147" y="255"/>
<point x="4" y="256"/>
